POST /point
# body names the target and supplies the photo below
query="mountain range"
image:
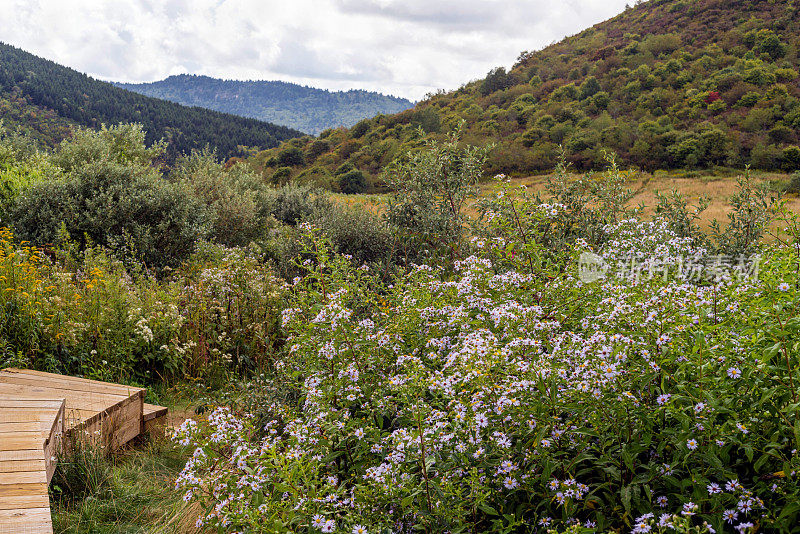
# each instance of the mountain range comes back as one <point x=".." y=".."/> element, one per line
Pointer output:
<point x="307" y="109"/>
<point x="47" y="100"/>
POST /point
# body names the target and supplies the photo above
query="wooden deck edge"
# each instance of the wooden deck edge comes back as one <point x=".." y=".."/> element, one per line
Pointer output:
<point x="105" y="432"/>
<point x="151" y="411"/>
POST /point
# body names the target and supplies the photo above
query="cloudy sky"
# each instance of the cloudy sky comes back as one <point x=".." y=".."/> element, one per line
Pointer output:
<point x="402" y="47"/>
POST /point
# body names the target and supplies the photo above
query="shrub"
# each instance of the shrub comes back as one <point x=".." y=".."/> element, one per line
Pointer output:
<point x="22" y="164"/>
<point x="233" y="197"/>
<point x="117" y="206"/>
<point x="281" y="176"/>
<point x="358" y="233"/>
<point x="496" y="80"/>
<point x="794" y="183"/>
<point x="292" y="204"/>
<point x="123" y="144"/>
<point x="290" y="157"/>
<point x="790" y="161"/>
<point x="360" y="128"/>
<point x="430" y="188"/>
<point x="316" y="148"/>
<point x="754" y="207"/>
<point x="352" y="182"/>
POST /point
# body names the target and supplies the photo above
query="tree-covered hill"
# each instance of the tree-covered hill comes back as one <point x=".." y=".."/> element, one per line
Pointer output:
<point x="665" y="84"/>
<point x="46" y="98"/>
<point x="307" y="109"/>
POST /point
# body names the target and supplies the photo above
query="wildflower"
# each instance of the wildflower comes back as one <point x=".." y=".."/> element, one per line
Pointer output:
<point x="317" y="521"/>
<point x="358" y="529"/>
<point x="783" y="287"/>
<point x="481" y="420"/>
<point x="742" y="428"/>
<point x="329" y="526"/>
<point x="732" y="485"/>
<point x="734" y="372"/>
<point x="713" y="488"/>
<point x="745" y="505"/>
<point x="691" y="444"/>
<point x="663" y="399"/>
<point x="662" y="501"/>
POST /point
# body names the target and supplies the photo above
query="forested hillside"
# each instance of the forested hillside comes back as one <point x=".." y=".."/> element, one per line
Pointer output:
<point x="46" y="98"/>
<point x="666" y="84"/>
<point x="307" y="109"/>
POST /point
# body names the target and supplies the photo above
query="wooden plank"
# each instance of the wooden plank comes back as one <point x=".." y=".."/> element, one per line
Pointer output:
<point x="31" y="425"/>
<point x="26" y="521"/>
<point x="156" y="428"/>
<point x="120" y="391"/>
<point x="24" y="403"/>
<point x="24" y="477"/>
<point x="84" y="399"/>
<point x="17" y="414"/>
<point x="21" y="454"/>
<point x="10" y="490"/>
<point x="127" y="422"/>
<point x="151" y="411"/>
<point x="24" y="501"/>
<point x="65" y="378"/>
<point x="21" y="440"/>
<point x="21" y="466"/>
<point x="54" y="445"/>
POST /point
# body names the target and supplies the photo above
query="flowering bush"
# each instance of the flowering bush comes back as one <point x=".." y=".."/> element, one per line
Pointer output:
<point x="511" y="396"/>
<point x="89" y="315"/>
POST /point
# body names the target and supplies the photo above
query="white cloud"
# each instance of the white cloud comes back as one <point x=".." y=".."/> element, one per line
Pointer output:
<point x="402" y="47"/>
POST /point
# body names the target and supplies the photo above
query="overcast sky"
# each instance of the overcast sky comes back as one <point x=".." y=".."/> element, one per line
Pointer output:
<point x="402" y="47"/>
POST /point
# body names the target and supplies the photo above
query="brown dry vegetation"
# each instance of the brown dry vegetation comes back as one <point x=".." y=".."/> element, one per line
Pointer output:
<point x="717" y="188"/>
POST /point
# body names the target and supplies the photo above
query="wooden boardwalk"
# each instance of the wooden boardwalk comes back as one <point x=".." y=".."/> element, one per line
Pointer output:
<point x="41" y="416"/>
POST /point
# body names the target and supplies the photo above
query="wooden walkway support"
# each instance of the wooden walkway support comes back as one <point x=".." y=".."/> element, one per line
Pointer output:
<point x="41" y="416"/>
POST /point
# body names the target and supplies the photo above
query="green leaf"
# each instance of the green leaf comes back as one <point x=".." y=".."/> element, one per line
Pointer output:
<point x="625" y="494"/>
<point x="487" y="509"/>
<point x="797" y="432"/>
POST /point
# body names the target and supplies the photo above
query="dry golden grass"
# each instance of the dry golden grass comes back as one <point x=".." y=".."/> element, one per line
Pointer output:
<point x="718" y="189"/>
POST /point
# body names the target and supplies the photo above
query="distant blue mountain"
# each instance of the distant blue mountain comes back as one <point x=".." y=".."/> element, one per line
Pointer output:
<point x="303" y="108"/>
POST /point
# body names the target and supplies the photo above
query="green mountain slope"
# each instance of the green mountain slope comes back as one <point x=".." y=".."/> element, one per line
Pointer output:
<point x="45" y="97"/>
<point x="668" y="83"/>
<point x="304" y="108"/>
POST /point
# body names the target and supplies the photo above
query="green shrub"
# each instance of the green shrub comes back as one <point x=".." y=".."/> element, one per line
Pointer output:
<point x="358" y="233"/>
<point x="118" y="206"/>
<point x="290" y="157"/>
<point x="234" y="198"/>
<point x="123" y="144"/>
<point x="790" y="160"/>
<point x="281" y="176"/>
<point x="352" y="182"/>
<point x="794" y="183"/>
<point x="431" y="187"/>
<point x="292" y="204"/>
